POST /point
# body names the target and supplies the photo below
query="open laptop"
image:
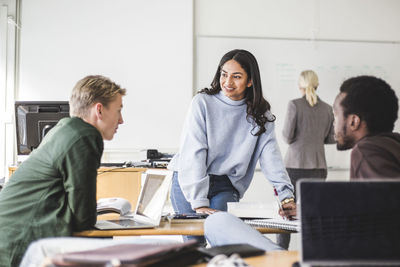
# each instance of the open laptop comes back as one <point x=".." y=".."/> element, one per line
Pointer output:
<point x="353" y="223"/>
<point x="149" y="207"/>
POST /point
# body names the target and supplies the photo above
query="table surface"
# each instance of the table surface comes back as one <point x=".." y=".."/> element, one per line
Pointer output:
<point x="165" y="228"/>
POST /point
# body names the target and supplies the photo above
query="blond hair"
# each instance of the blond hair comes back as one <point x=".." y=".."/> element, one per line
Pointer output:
<point x="308" y="81"/>
<point x="90" y="90"/>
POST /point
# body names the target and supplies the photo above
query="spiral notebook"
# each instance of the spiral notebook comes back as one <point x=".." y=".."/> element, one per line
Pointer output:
<point x="276" y="223"/>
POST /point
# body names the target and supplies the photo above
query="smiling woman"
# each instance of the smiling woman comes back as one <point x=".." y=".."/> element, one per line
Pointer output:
<point x="234" y="80"/>
<point x="228" y="129"/>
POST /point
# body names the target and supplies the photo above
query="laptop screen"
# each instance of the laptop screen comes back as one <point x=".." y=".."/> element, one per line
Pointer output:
<point x="357" y="221"/>
<point x="154" y="193"/>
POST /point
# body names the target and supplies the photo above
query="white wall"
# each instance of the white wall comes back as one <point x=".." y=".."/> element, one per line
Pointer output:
<point x="377" y="20"/>
<point x="8" y="55"/>
<point x="145" y="46"/>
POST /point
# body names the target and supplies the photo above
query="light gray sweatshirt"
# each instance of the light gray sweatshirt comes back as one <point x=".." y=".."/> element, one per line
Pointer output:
<point x="217" y="139"/>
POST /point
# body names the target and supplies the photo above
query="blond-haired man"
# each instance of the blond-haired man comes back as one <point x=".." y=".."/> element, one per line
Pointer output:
<point x="53" y="192"/>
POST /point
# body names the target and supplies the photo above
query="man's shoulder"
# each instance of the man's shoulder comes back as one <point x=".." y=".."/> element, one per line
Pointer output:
<point x="75" y="126"/>
<point x="70" y="131"/>
<point x="384" y="143"/>
<point x="379" y="139"/>
<point x="376" y="156"/>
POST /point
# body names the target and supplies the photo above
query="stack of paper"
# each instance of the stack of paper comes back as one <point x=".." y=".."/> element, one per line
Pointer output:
<point x="253" y="209"/>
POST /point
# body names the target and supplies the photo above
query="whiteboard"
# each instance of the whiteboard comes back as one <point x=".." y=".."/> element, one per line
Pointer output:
<point x="282" y="60"/>
<point x="145" y="46"/>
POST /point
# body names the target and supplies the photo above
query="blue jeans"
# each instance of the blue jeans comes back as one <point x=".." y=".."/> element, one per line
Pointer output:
<point x="222" y="228"/>
<point x="220" y="192"/>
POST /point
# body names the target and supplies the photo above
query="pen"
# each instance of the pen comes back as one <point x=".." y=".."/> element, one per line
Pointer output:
<point x="279" y="202"/>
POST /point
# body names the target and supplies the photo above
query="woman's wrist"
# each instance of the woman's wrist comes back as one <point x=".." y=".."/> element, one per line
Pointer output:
<point x="287" y="200"/>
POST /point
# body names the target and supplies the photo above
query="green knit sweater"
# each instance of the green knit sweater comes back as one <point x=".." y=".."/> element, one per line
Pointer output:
<point x="53" y="192"/>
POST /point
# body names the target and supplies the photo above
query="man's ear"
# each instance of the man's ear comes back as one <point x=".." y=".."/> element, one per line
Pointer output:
<point x="355" y="122"/>
<point x="99" y="109"/>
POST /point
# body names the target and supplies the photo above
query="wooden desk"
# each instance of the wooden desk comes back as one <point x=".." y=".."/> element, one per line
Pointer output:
<point x="165" y="228"/>
<point x="270" y="259"/>
<point x="114" y="182"/>
<point x="119" y="182"/>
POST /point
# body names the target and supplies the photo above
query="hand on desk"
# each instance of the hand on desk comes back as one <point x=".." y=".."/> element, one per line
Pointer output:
<point x="205" y="210"/>
<point x="289" y="210"/>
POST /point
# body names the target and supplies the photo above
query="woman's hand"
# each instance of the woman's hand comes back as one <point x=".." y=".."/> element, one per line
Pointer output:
<point x="205" y="210"/>
<point x="289" y="210"/>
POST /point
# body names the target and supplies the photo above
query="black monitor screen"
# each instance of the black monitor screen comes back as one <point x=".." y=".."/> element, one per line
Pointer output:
<point x="33" y="121"/>
<point x="356" y="221"/>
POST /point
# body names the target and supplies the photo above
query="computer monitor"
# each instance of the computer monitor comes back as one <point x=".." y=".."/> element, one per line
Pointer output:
<point x="352" y="223"/>
<point x="34" y="119"/>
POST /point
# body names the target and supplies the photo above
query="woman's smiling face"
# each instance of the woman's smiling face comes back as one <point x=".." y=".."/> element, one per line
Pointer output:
<point x="234" y="80"/>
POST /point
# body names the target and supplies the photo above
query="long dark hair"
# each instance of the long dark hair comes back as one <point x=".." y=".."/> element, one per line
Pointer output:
<point x="257" y="106"/>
